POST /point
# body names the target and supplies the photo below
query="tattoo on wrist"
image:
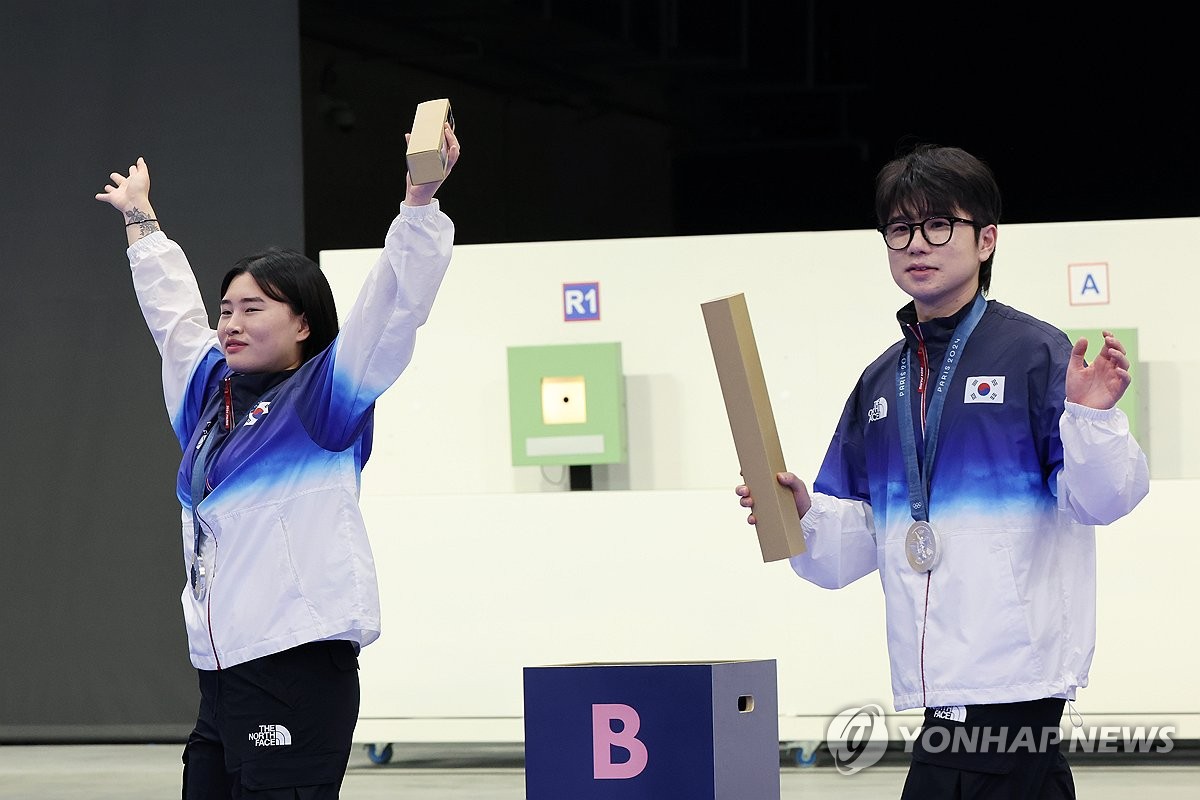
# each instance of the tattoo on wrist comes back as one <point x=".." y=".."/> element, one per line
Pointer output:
<point x="146" y="224"/>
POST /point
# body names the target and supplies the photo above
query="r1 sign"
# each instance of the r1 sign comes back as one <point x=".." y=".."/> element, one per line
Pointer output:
<point x="581" y="301"/>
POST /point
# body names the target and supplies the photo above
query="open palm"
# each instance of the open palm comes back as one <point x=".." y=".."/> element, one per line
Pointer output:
<point x="1101" y="383"/>
<point x="128" y="192"/>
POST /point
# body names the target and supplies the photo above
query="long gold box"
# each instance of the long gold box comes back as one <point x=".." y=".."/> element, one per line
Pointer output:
<point x="752" y="422"/>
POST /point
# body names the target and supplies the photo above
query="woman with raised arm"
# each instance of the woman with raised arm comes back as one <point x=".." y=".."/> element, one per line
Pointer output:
<point x="273" y="410"/>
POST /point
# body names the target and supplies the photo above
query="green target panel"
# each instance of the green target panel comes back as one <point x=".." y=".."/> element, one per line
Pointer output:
<point x="566" y="404"/>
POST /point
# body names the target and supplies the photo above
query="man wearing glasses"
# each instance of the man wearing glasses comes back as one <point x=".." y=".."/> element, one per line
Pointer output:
<point x="971" y="462"/>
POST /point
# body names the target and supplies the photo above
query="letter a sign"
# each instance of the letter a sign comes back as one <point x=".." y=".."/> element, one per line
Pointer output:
<point x="604" y="738"/>
<point x="1089" y="283"/>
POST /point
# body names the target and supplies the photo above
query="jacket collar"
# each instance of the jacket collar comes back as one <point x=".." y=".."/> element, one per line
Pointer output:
<point x="247" y="388"/>
<point x="932" y="332"/>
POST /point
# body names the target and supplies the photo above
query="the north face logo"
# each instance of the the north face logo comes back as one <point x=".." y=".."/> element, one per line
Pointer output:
<point x="878" y="410"/>
<point x="271" y="736"/>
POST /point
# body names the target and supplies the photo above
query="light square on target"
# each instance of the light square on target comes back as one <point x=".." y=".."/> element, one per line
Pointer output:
<point x="984" y="389"/>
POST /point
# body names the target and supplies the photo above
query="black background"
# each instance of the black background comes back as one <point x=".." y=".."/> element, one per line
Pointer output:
<point x="615" y="118"/>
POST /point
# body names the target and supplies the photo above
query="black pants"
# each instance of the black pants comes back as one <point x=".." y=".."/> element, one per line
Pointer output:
<point x="1003" y="751"/>
<point x="275" y="728"/>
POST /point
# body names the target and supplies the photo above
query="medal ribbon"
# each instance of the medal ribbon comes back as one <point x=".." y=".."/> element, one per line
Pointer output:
<point x="918" y="478"/>
<point x="199" y="465"/>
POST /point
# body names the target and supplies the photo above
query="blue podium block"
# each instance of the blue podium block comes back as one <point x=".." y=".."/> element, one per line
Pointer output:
<point x="685" y="730"/>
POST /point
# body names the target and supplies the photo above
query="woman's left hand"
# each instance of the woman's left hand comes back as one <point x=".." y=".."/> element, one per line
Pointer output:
<point x="421" y="194"/>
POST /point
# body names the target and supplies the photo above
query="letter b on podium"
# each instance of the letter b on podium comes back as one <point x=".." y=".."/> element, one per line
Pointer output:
<point x="604" y="738"/>
<point x="688" y="730"/>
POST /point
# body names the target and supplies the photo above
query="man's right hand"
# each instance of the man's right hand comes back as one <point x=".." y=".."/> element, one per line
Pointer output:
<point x="787" y="480"/>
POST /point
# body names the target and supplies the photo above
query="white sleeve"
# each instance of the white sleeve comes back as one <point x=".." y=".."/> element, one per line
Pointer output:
<point x="1104" y="474"/>
<point x="378" y="335"/>
<point x="174" y="311"/>
<point x="839" y="539"/>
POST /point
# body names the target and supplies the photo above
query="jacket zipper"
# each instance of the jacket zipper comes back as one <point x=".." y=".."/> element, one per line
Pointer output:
<point x="208" y="613"/>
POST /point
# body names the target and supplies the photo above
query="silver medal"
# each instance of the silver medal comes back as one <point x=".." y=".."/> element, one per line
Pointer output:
<point x="201" y="565"/>
<point x="199" y="578"/>
<point x="922" y="546"/>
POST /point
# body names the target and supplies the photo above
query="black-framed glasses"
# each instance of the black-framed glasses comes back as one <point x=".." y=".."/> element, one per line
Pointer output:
<point x="936" y="230"/>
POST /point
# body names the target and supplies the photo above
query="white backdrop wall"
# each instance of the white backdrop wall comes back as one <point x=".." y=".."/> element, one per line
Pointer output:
<point x="822" y="305"/>
<point x="487" y="567"/>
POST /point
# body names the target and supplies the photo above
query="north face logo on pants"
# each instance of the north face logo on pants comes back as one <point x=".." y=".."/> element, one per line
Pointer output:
<point x="271" y="736"/>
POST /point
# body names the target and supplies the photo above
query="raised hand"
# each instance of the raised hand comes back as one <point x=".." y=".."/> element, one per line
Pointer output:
<point x="421" y="194"/>
<point x="1101" y="383"/>
<point x="129" y="194"/>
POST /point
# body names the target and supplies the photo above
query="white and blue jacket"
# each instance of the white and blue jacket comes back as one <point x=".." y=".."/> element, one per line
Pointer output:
<point x="1020" y="477"/>
<point x="292" y="563"/>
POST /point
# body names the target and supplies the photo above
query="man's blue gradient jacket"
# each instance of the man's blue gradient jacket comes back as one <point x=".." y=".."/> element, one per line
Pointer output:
<point x="1019" y="479"/>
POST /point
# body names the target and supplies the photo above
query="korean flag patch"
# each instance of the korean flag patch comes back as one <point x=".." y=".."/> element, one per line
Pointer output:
<point x="258" y="413"/>
<point x="985" y="389"/>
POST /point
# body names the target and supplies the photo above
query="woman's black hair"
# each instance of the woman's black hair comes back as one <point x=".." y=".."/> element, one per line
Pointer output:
<point x="293" y="278"/>
<point x="932" y="179"/>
